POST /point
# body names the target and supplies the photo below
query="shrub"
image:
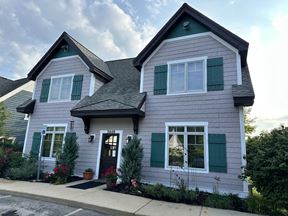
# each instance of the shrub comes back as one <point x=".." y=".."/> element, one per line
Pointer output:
<point x="218" y="201"/>
<point x="131" y="165"/>
<point x="69" y="154"/>
<point x="61" y="173"/>
<point x="267" y="165"/>
<point x="26" y="171"/>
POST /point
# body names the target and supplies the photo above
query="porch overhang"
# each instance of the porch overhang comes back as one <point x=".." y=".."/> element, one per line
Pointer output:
<point x="87" y="115"/>
<point x="27" y="107"/>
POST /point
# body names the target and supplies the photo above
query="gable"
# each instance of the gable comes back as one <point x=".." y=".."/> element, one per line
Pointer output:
<point x="198" y="23"/>
<point x="64" y="50"/>
<point x="65" y="46"/>
<point x="185" y="26"/>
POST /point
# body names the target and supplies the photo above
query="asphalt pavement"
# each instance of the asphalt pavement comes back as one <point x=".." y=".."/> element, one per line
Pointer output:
<point x="19" y="206"/>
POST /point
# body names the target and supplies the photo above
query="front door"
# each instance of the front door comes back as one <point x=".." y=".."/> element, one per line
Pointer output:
<point x="109" y="152"/>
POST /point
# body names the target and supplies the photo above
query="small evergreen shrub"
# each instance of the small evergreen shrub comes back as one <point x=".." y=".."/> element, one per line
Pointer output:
<point x="26" y="171"/>
<point x="131" y="166"/>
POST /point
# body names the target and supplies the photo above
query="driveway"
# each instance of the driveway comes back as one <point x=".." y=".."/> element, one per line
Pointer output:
<point x="18" y="206"/>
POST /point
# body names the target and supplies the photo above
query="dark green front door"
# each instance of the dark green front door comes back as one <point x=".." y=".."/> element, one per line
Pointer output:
<point x="109" y="152"/>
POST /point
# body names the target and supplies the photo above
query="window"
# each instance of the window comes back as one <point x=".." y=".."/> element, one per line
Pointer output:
<point x="187" y="146"/>
<point x="53" y="141"/>
<point x="60" y="88"/>
<point x="187" y="76"/>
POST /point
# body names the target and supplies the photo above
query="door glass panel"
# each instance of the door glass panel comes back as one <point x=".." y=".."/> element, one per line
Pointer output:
<point x="58" y="141"/>
<point x="110" y="147"/>
<point x="47" y="145"/>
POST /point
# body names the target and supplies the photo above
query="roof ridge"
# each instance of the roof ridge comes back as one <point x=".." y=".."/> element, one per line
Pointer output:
<point x="120" y="59"/>
<point x="74" y="40"/>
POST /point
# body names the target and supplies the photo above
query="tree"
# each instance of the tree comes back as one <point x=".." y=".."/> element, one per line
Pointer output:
<point x="3" y="116"/>
<point x="249" y="122"/>
<point x="69" y="154"/>
<point x="131" y="165"/>
<point x="267" y="165"/>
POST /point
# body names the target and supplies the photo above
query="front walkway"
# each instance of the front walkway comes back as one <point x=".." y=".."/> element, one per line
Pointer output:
<point x="108" y="202"/>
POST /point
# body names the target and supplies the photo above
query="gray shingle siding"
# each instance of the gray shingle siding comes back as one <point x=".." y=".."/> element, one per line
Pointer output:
<point x="214" y="107"/>
<point x="15" y="125"/>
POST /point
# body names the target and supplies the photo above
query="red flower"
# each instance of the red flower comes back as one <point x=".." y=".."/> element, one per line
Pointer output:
<point x="56" y="170"/>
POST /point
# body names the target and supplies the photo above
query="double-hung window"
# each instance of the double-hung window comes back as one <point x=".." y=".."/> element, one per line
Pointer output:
<point x="53" y="141"/>
<point x="60" y="89"/>
<point x="187" y="76"/>
<point x="187" y="146"/>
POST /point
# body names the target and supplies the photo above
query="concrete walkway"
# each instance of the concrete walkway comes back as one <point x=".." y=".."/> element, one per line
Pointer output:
<point x="107" y="202"/>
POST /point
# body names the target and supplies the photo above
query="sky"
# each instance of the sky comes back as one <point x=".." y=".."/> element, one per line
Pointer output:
<point x="115" y="29"/>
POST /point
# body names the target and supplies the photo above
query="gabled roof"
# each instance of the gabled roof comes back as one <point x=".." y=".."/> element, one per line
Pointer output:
<point x="119" y="96"/>
<point x="8" y="85"/>
<point x="209" y="24"/>
<point x="95" y="64"/>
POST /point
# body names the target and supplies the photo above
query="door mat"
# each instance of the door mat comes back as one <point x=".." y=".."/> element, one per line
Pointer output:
<point x="87" y="185"/>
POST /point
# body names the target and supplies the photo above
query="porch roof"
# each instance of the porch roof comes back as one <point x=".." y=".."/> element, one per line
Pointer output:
<point x="27" y="107"/>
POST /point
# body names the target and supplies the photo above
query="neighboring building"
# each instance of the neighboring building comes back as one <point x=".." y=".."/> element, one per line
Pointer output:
<point x="183" y="95"/>
<point x="12" y="94"/>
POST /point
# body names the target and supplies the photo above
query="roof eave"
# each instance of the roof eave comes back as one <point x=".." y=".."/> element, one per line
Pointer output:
<point x="108" y="113"/>
<point x="244" y="101"/>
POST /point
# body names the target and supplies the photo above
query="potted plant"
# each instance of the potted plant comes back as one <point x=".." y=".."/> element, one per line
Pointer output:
<point x="110" y="175"/>
<point x="88" y="174"/>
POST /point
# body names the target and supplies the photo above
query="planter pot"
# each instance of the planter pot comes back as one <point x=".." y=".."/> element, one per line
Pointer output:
<point x="110" y="184"/>
<point x="88" y="175"/>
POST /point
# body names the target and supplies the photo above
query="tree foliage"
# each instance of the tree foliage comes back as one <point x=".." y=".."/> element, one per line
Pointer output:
<point x="3" y="116"/>
<point x="267" y="165"/>
<point x="69" y="154"/>
<point x="131" y="165"/>
<point x="249" y="122"/>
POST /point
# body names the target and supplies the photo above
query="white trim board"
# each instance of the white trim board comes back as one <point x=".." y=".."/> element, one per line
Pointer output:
<point x="243" y="145"/>
<point x="211" y="34"/>
<point x="119" y="158"/>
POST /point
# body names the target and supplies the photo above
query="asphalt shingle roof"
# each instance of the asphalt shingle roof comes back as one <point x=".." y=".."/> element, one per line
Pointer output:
<point x="120" y="93"/>
<point x="7" y="85"/>
<point x="246" y="89"/>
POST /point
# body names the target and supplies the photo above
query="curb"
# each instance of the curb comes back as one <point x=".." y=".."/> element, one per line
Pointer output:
<point x="67" y="202"/>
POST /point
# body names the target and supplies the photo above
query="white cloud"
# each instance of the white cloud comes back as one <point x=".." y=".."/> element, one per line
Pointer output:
<point x="268" y="62"/>
<point x="29" y="28"/>
<point x="154" y="6"/>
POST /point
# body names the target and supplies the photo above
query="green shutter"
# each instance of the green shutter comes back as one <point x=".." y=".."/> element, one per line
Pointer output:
<point x="35" y="144"/>
<point x="157" y="150"/>
<point x="77" y="87"/>
<point x="217" y="153"/>
<point x="45" y="90"/>
<point x="215" y="79"/>
<point x="160" y="79"/>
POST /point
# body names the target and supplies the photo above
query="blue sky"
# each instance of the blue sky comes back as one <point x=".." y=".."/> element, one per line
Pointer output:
<point x="121" y="28"/>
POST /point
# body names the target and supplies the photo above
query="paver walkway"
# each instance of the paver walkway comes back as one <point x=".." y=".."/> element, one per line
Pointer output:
<point x="106" y="201"/>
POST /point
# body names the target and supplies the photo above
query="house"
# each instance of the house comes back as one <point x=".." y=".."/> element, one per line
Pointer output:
<point x="183" y="95"/>
<point x="12" y="94"/>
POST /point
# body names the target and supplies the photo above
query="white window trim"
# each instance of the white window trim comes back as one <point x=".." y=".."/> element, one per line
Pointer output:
<point x="52" y="145"/>
<point x="119" y="157"/>
<point x="169" y="63"/>
<point x="206" y="150"/>
<point x="60" y="76"/>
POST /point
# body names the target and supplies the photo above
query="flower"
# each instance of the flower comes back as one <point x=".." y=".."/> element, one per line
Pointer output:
<point x="134" y="183"/>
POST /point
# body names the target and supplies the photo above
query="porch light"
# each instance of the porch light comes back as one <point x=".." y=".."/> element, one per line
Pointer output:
<point x="71" y="125"/>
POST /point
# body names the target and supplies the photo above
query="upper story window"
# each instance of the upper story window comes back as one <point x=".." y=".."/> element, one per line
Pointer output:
<point x="60" y="89"/>
<point x="187" y="76"/>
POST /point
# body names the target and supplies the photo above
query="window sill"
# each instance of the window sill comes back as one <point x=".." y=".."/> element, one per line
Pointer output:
<point x="48" y="159"/>
<point x="192" y="170"/>
<point x="59" y="101"/>
<point x="187" y="93"/>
